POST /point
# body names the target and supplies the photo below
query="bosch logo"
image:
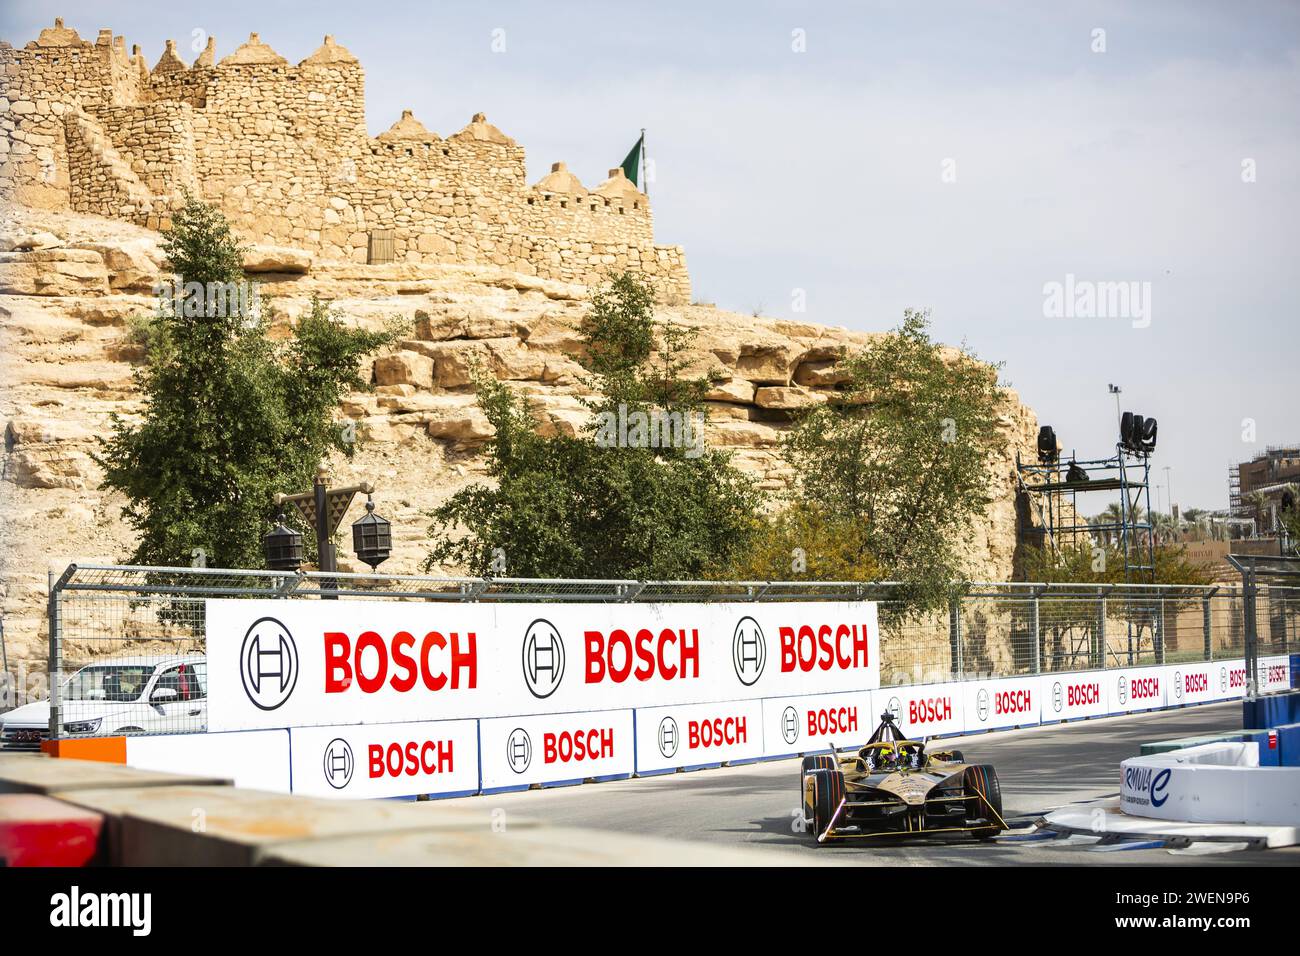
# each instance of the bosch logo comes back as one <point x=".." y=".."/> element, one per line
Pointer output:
<point x="929" y="710"/>
<point x="718" y="732"/>
<point x="1178" y="684"/>
<point x="1081" y="695"/>
<point x="1196" y="683"/>
<point x="519" y="750"/>
<point x="339" y="763"/>
<point x="1058" y="697"/>
<point x="1014" y="702"/>
<point x="1160" y="788"/>
<point x="841" y="647"/>
<point x="618" y="656"/>
<point x="668" y="737"/>
<point x="1122" y="690"/>
<point x="1144" y="688"/>
<point x="832" y="721"/>
<point x="982" y="705"/>
<point x="1223" y="679"/>
<point x="790" y="725"/>
<point x="268" y="663"/>
<point x="895" y="707"/>
<point x="748" y="651"/>
<point x="543" y="658"/>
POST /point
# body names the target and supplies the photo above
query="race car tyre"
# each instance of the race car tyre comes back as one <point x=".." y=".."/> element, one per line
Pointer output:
<point x="981" y="782"/>
<point x="819" y="762"/>
<point x="957" y="756"/>
<point x="828" y="791"/>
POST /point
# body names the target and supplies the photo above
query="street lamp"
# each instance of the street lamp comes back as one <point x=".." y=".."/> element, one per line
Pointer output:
<point x="372" y="537"/>
<point x="283" y="547"/>
<point x="323" y="508"/>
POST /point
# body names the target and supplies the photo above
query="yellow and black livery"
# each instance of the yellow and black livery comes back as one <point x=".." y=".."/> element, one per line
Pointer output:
<point x="894" y="786"/>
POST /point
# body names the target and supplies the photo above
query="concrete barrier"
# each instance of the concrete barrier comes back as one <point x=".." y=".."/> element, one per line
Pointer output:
<point x="1271" y="710"/>
<point x="1211" y="783"/>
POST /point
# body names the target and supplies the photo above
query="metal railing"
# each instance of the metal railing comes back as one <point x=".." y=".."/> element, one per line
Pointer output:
<point x="116" y="634"/>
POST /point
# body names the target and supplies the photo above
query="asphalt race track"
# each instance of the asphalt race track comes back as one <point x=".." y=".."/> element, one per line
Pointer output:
<point x="1040" y="768"/>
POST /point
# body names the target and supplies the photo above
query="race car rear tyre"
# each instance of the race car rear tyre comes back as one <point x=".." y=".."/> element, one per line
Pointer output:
<point x="981" y="782"/>
<point x="828" y="791"/>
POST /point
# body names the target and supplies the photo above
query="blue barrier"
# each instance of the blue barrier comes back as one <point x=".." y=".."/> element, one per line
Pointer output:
<point x="1268" y="756"/>
<point x="1295" y="671"/>
<point x="1273" y="710"/>
<point x="1288" y="745"/>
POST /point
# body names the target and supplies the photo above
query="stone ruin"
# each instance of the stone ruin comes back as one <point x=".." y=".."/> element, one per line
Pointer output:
<point x="284" y="151"/>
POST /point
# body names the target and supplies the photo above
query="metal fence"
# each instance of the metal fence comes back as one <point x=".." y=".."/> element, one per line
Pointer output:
<point x="118" y="635"/>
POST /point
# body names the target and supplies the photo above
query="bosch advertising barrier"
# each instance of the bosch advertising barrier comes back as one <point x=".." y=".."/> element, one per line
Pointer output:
<point x="1069" y="696"/>
<point x="552" y="748"/>
<point x="385" y="760"/>
<point x="298" y="663"/>
<point x="926" y="710"/>
<point x="794" y="725"/>
<point x="692" y="735"/>
<point x="1131" y="689"/>
<point x="1000" y="703"/>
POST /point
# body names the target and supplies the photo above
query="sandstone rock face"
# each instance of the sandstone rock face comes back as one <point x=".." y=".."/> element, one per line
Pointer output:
<point x="66" y="365"/>
<point x="60" y="272"/>
<point x="276" y="259"/>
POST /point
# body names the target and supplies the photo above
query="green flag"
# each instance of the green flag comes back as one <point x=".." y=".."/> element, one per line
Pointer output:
<point x="632" y="164"/>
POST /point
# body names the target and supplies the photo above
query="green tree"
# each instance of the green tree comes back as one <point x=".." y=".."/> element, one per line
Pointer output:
<point x="904" y="457"/>
<point x="229" y="417"/>
<point x="586" y="506"/>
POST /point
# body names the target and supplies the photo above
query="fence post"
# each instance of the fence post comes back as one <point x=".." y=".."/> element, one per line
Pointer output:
<point x="1099" y="644"/>
<point x="1159" y="638"/>
<point x="954" y="635"/>
<point x="1038" y="638"/>
<point x="1207" y="634"/>
<point x="1248" y="592"/>
<point x="56" y="658"/>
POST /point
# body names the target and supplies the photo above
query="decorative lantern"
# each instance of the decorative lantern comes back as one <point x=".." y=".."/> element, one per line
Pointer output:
<point x="283" y="547"/>
<point x="372" y="537"/>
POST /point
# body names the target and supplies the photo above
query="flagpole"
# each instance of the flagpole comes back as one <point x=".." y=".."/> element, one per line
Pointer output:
<point x="645" y="186"/>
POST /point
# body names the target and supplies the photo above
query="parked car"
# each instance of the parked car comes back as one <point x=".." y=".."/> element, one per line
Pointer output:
<point x="118" y="695"/>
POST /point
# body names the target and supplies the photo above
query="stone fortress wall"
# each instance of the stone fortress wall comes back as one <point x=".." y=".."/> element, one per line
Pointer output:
<point x="284" y="151"/>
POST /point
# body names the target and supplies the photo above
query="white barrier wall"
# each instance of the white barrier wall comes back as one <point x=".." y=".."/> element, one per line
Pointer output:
<point x="386" y="760"/>
<point x="1212" y="783"/>
<point x="299" y="663"/>
<point x="543" y="694"/>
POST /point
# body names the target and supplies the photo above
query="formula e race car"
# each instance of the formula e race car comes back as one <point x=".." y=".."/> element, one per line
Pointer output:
<point x="894" y="787"/>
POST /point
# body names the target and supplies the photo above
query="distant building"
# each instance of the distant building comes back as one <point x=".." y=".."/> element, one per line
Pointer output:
<point x="1257" y="488"/>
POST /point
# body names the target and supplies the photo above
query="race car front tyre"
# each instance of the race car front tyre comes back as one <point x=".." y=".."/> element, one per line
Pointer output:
<point x="956" y="756"/>
<point x="981" y="783"/>
<point x="827" y="792"/>
<point x="818" y="762"/>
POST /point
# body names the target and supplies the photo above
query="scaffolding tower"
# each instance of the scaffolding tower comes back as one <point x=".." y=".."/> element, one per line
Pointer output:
<point x="1053" y="489"/>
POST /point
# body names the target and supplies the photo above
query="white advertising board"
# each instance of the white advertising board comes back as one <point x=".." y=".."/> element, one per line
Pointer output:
<point x="385" y="760"/>
<point x="1001" y="702"/>
<point x="689" y="735"/>
<point x="1130" y="689"/>
<point x="926" y="710"/>
<point x="252" y="760"/>
<point x="555" y="748"/>
<point x="1197" y="683"/>
<point x="1274" y="674"/>
<point x="304" y="663"/>
<point x="806" y="724"/>
<point x="1069" y="696"/>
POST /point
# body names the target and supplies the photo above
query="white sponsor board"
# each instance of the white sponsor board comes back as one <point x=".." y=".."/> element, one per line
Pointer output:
<point x="299" y="663"/>
<point x="385" y="760"/>
<point x="1130" y="689"/>
<point x="688" y="735"/>
<point x="806" y="724"/>
<point x="252" y="760"/>
<point x="1274" y="674"/>
<point x="925" y="710"/>
<point x="1071" y="695"/>
<point x="555" y="748"/>
<point x="1197" y="683"/>
<point x="1001" y="702"/>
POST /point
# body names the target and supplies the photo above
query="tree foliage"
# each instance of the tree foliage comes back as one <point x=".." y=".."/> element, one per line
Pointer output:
<point x="577" y="506"/>
<point x="229" y="417"/>
<point x="903" y="460"/>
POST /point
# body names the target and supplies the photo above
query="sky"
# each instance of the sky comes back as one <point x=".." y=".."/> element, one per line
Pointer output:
<point x="839" y="163"/>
